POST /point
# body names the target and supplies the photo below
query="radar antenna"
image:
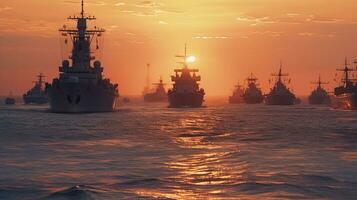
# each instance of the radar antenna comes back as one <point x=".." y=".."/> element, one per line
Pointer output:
<point x="320" y="82"/>
<point x="82" y="13"/>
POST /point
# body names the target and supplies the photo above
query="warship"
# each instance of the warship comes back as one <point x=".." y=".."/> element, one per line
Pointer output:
<point x="158" y="95"/>
<point x="319" y="95"/>
<point x="280" y="94"/>
<point x="186" y="91"/>
<point x="345" y="96"/>
<point x="37" y="94"/>
<point x="81" y="86"/>
<point x="252" y="94"/>
<point x="10" y="100"/>
<point x="237" y="96"/>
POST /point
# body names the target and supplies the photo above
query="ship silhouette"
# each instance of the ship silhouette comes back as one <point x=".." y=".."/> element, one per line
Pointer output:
<point x="186" y="91"/>
<point x="319" y="95"/>
<point x="280" y="94"/>
<point x="237" y="96"/>
<point x="10" y="100"/>
<point x="157" y="94"/>
<point x="81" y="86"/>
<point x="345" y="95"/>
<point x="37" y="94"/>
<point x="252" y="94"/>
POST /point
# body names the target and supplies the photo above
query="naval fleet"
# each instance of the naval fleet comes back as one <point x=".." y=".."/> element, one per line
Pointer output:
<point x="82" y="88"/>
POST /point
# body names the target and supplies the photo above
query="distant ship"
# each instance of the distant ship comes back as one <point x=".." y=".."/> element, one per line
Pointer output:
<point x="10" y="100"/>
<point x="158" y="95"/>
<point x="37" y="94"/>
<point x="319" y="95"/>
<point x="237" y="96"/>
<point x="346" y="94"/>
<point x="252" y="94"/>
<point x="186" y="91"/>
<point x="81" y="86"/>
<point x="280" y="94"/>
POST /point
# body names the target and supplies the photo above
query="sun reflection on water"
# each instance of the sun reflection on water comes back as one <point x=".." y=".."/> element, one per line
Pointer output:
<point x="204" y="166"/>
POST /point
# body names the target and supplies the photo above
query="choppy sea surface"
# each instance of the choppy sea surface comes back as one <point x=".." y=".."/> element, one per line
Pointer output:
<point x="149" y="151"/>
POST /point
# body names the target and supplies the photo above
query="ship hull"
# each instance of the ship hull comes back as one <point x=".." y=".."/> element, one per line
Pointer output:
<point x="10" y="101"/>
<point x="35" y="100"/>
<point x="235" y="100"/>
<point x="253" y="99"/>
<point x="177" y="100"/>
<point x="279" y="100"/>
<point x="319" y="100"/>
<point x="81" y="98"/>
<point x="347" y="101"/>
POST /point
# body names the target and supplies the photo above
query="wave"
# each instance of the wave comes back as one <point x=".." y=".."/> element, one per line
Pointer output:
<point x="78" y="192"/>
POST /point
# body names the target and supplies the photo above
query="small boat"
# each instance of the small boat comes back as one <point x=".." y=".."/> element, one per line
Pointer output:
<point x="10" y="101"/>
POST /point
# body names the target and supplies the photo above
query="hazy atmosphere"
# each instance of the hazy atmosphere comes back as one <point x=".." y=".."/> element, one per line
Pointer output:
<point x="230" y="39"/>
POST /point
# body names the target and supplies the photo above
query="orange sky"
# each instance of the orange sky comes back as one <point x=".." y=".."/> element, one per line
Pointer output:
<point x="230" y="39"/>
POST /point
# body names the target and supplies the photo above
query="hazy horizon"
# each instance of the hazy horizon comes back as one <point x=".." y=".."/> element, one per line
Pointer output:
<point x="230" y="39"/>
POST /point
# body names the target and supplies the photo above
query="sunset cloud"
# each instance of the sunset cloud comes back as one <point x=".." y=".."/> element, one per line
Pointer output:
<point x="6" y="8"/>
<point x="288" y="18"/>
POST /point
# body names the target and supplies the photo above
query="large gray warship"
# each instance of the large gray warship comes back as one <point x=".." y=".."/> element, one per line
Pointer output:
<point x="81" y="86"/>
<point x="37" y="94"/>
<point x="280" y="94"/>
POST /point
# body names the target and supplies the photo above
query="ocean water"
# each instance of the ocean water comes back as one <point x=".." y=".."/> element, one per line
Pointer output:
<point x="149" y="151"/>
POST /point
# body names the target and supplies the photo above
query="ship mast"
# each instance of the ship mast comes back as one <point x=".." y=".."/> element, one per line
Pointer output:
<point x="320" y="82"/>
<point x="82" y="38"/>
<point x="40" y="79"/>
<point x="251" y="79"/>
<point x="346" y="80"/>
<point x="148" y="75"/>
<point x="280" y="74"/>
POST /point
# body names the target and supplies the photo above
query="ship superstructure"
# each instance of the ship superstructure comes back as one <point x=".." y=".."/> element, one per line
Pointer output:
<point x="319" y="95"/>
<point x="346" y="94"/>
<point x="81" y="86"/>
<point x="37" y="94"/>
<point x="253" y="94"/>
<point x="237" y="96"/>
<point x="186" y="91"/>
<point x="280" y="94"/>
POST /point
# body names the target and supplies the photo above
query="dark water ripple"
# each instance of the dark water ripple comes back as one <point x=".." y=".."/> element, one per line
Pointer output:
<point x="140" y="152"/>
